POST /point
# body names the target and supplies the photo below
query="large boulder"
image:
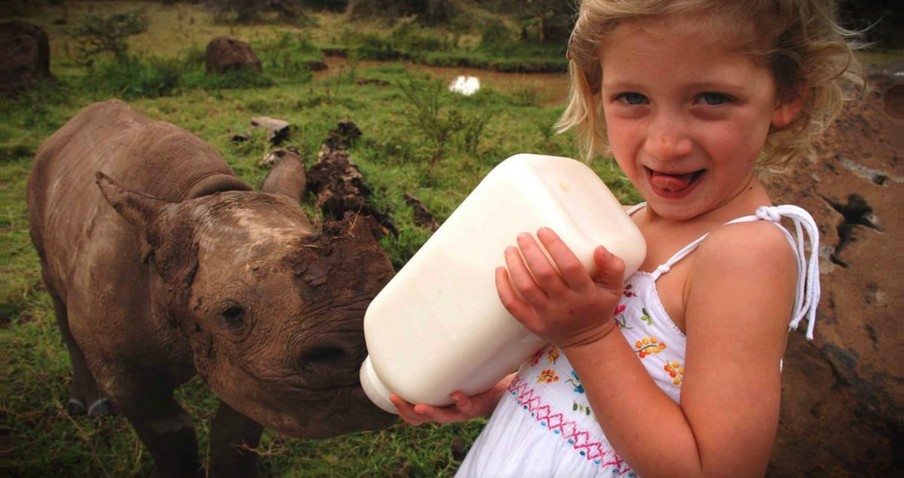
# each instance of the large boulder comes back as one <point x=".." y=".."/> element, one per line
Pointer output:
<point x="843" y="393"/>
<point x="24" y="56"/>
<point x="225" y="54"/>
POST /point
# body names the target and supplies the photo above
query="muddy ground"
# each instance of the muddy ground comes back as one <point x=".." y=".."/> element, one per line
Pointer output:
<point x="843" y="393"/>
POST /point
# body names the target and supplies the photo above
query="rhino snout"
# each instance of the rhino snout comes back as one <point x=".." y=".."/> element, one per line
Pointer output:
<point x="331" y="362"/>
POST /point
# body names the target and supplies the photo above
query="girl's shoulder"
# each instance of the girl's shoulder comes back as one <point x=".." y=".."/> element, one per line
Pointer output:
<point x="748" y="258"/>
<point x="754" y="244"/>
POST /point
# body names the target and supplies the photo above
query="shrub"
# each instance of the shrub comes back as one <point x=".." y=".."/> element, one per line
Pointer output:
<point x="290" y="56"/>
<point x="250" y="11"/>
<point x="426" y="113"/>
<point x="232" y="79"/>
<point x="107" y="34"/>
<point x="130" y="76"/>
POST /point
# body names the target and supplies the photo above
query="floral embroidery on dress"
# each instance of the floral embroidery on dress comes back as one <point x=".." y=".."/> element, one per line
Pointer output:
<point x="619" y="317"/>
<point x="548" y="376"/>
<point x="648" y="346"/>
<point x="646" y="317"/>
<point x="676" y="371"/>
<point x="575" y="382"/>
<point x="578" y="406"/>
<point x="581" y="408"/>
<point x="535" y="359"/>
<point x="553" y="355"/>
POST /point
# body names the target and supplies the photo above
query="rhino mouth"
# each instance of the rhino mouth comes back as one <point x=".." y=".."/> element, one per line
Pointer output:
<point x="305" y="412"/>
<point x="339" y="411"/>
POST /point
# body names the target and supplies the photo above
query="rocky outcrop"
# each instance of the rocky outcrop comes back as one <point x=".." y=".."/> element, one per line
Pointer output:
<point x="843" y="393"/>
<point x="225" y="54"/>
<point x="24" y="56"/>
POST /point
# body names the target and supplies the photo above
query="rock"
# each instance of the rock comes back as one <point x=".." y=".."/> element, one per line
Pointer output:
<point x="24" y="56"/>
<point x="278" y="130"/>
<point x="843" y="393"/>
<point x="225" y="54"/>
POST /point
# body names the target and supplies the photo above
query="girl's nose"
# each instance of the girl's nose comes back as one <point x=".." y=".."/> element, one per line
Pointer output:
<point x="668" y="138"/>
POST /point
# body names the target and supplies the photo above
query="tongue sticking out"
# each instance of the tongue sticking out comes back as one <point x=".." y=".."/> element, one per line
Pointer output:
<point x="672" y="183"/>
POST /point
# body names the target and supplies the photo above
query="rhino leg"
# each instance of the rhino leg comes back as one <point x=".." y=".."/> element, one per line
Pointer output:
<point x="84" y="394"/>
<point x="233" y="440"/>
<point x="163" y="426"/>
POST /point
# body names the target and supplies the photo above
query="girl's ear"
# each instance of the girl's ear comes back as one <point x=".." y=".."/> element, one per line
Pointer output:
<point x="786" y="111"/>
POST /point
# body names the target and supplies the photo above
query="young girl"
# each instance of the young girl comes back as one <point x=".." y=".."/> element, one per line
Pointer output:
<point x="675" y="370"/>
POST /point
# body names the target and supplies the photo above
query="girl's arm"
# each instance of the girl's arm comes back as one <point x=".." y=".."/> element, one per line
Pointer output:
<point x="737" y="306"/>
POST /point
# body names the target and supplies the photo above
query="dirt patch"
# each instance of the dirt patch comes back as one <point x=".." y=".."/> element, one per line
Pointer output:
<point x="894" y="101"/>
<point x="843" y="393"/>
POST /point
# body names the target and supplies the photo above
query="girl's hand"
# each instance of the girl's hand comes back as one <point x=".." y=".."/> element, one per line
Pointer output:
<point x="463" y="408"/>
<point x="566" y="307"/>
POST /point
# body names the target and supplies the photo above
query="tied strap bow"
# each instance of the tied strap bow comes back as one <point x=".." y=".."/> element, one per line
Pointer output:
<point x="808" y="290"/>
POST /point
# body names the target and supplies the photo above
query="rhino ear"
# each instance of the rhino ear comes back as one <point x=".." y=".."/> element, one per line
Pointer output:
<point x="170" y="240"/>
<point x="139" y="209"/>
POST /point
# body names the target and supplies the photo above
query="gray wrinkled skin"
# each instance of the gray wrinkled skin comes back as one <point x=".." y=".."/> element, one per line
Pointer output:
<point x="162" y="265"/>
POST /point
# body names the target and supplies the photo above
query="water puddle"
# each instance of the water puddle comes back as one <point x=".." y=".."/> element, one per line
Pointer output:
<point x="547" y="89"/>
<point x="465" y="85"/>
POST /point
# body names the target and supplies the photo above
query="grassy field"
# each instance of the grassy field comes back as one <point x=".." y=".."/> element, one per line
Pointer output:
<point x="437" y="155"/>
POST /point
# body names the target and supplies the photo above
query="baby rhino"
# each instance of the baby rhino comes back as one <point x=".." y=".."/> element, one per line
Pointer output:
<point x="162" y="264"/>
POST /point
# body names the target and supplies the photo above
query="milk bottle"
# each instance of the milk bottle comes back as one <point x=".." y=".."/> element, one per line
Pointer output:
<point x="439" y="326"/>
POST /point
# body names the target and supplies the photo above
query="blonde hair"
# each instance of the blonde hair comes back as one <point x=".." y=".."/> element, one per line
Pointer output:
<point x="800" y="41"/>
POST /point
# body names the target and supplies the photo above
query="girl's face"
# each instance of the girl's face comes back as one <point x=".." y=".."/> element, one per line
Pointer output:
<point x="687" y="116"/>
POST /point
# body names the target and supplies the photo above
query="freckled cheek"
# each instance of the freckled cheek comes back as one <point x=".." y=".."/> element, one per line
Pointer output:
<point x="625" y="144"/>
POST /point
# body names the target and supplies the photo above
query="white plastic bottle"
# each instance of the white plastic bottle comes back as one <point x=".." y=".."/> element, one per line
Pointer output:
<point x="439" y="326"/>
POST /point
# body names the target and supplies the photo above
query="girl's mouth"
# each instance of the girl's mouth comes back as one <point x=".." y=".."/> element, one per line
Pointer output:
<point x="672" y="185"/>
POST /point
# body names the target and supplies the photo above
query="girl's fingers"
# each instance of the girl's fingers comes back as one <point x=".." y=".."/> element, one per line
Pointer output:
<point x="406" y="411"/>
<point x="520" y="277"/>
<point x="521" y="310"/>
<point x="571" y="270"/>
<point x="541" y="270"/>
<point x="508" y="296"/>
<point x="611" y="270"/>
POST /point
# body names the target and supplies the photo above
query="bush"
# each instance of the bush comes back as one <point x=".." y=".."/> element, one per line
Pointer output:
<point x="250" y="11"/>
<point x="290" y="56"/>
<point x="496" y="35"/>
<point x="410" y="37"/>
<point x="107" y="34"/>
<point x="130" y="76"/>
<point x="232" y="79"/>
<point x="426" y="112"/>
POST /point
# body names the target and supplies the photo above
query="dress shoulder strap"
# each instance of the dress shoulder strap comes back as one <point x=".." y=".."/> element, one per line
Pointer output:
<point x="808" y="289"/>
<point x="667" y="266"/>
<point x="636" y="207"/>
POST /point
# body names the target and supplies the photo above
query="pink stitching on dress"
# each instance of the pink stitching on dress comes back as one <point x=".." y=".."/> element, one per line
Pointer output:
<point x="556" y="422"/>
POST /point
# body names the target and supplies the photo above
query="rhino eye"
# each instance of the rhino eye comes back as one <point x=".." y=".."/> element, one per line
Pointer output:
<point x="233" y="317"/>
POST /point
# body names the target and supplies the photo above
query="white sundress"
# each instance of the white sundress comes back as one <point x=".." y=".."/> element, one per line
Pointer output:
<point x="544" y="426"/>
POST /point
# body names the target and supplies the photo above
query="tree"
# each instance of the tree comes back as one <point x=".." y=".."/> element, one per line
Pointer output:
<point x="430" y="11"/>
<point x="551" y="17"/>
<point x="107" y="34"/>
<point x="249" y="11"/>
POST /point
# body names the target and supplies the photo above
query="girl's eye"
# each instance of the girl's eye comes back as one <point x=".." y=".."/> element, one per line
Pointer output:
<point x="633" y="98"/>
<point x="713" y="99"/>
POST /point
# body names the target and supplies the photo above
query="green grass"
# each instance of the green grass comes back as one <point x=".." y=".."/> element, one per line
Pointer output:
<point x="396" y="156"/>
